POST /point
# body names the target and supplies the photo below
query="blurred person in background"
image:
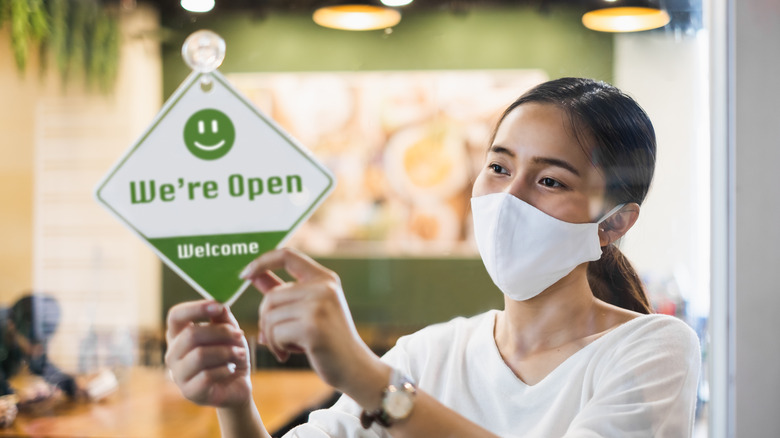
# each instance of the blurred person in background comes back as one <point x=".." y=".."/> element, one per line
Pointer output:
<point x="25" y="369"/>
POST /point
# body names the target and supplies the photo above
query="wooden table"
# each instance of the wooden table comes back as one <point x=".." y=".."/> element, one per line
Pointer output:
<point x="148" y="405"/>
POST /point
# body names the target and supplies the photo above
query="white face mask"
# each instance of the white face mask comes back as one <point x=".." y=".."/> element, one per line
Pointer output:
<point x="525" y="250"/>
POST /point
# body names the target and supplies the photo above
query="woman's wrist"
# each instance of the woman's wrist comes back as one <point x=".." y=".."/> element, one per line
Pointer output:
<point x="367" y="381"/>
<point x="241" y="420"/>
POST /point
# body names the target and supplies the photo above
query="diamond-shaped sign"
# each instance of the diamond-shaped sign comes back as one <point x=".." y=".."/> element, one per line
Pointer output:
<point x="212" y="184"/>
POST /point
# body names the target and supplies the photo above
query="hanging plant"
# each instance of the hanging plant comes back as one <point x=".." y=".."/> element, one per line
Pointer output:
<point x="28" y="22"/>
<point x="103" y="59"/>
<point x="58" y="37"/>
<point x="82" y="37"/>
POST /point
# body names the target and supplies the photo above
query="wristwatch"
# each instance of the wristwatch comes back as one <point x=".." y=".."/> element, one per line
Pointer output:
<point x="397" y="402"/>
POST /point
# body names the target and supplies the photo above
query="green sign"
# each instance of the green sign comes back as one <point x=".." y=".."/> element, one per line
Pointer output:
<point x="212" y="184"/>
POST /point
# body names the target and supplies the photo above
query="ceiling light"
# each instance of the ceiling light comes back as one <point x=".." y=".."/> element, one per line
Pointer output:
<point x="625" y="16"/>
<point x="197" y="5"/>
<point x="356" y="15"/>
<point x="396" y="3"/>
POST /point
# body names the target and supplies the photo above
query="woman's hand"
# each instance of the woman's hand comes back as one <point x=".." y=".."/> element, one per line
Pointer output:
<point x="8" y="410"/>
<point x="310" y="315"/>
<point x="207" y="355"/>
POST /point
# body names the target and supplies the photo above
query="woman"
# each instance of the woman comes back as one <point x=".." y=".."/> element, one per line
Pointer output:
<point x="574" y="353"/>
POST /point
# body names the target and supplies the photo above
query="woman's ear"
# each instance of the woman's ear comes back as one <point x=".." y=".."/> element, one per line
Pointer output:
<point x="615" y="226"/>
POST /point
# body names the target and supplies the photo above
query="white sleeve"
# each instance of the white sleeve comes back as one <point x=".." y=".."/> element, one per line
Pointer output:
<point x="342" y="420"/>
<point x="646" y="388"/>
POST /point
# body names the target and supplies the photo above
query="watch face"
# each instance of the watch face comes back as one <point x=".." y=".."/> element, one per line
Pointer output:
<point x="398" y="404"/>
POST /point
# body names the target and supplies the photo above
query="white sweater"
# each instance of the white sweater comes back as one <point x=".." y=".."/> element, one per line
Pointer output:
<point x="638" y="380"/>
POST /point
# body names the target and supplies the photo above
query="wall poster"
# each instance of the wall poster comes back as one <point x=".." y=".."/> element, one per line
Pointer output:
<point x="404" y="147"/>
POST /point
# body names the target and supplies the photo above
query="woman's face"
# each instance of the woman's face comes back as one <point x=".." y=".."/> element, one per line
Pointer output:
<point x="536" y="158"/>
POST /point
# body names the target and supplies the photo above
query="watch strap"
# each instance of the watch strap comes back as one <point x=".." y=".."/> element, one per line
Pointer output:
<point x="379" y="416"/>
<point x="398" y="382"/>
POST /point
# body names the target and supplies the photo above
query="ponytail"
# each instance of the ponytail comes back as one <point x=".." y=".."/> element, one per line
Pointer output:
<point x="613" y="280"/>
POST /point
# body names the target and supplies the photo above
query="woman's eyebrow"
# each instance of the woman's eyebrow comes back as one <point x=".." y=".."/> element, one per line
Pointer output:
<point x="498" y="149"/>
<point x="557" y="163"/>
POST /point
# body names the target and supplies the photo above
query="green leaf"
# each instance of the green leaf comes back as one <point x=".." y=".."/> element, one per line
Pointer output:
<point x="5" y="11"/>
<point x="91" y="50"/>
<point x="98" y="53"/>
<point x="58" y="37"/>
<point x="111" y="68"/>
<point x="39" y="21"/>
<point x="20" y="30"/>
<point x="77" y="43"/>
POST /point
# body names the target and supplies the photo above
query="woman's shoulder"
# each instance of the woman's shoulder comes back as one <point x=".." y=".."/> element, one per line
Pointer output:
<point x="659" y="325"/>
<point x="653" y="335"/>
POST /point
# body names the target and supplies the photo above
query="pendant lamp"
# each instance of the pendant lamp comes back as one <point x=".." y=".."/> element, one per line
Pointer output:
<point x="356" y="15"/>
<point x="625" y="15"/>
<point x="197" y="5"/>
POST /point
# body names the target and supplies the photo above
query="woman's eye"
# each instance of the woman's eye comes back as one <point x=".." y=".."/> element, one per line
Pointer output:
<point x="549" y="182"/>
<point x="497" y="168"/>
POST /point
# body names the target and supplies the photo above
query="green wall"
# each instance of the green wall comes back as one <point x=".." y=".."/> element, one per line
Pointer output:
<point x="397" y="295"/>
<point x="486" y="39"/>
<point x="387" y="296"/>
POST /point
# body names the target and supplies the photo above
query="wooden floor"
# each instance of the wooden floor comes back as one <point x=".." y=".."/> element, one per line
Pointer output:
<point x="148" y="405"/>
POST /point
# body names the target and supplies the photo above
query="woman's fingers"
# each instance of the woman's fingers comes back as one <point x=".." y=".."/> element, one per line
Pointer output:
<point x="286" y="294"/>
<point x="282" y="303"/>
<point x="265" y="281"/>
<point x="207" y="354"/>
<point x="207" y="358"/>
<point x="282" y="310"/>
<point x="222" y="314"/>
<point x="265" y="329"/>
<point x="183" y="315"/>
<point x="286" y="334"/>
<point x="315" y="308"/>
<point x="298" y="265"/>
<point x="309" y="314"/>
<point x="212" y="386"/>
<point x="201" y="335"/>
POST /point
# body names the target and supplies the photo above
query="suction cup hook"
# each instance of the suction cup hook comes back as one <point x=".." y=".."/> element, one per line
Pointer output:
<point x="204" y="52"/>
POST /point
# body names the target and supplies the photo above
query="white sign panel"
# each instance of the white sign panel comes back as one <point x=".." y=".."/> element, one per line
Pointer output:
<point x="212" y="184"/>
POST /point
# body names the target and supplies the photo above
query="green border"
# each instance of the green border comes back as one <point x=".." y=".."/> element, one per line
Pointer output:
<point x="167" y="107"/>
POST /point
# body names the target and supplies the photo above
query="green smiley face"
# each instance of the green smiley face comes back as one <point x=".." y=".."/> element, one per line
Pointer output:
<point x="209" y="134"/>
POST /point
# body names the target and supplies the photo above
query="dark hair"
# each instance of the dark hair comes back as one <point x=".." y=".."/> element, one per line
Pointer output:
<point x="623" y="148"/>
<point x="36" y="317"/>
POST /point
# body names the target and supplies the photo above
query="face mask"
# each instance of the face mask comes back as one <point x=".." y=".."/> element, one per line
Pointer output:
<point x="525" y="250"/>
